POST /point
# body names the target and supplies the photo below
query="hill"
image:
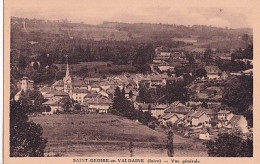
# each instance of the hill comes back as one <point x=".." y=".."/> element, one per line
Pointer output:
<point x="96" y="127"/>
<point x="108" y="135"/>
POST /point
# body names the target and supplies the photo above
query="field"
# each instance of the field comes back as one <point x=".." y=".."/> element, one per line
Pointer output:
<point x="108" y="135"/>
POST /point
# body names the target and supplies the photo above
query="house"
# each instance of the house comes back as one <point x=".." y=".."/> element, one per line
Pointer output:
<point x="58" y="94"/>
<point x="224" y="115"/>
<point x="158" y="110"/>
<point x="169" y="117"/>
<point x="105" y="85"/>
<point x="145" y="82"/>
<point x="200" y="117"/>
<point x="196" y="118"/>
<point x="97" y="105"/>
<point x="163" y="67"/>
<point x="146" y="107"/>
<point x="239" y="122"/>
<point x="45" y="90"/>
<point x="204" y="135"/>
<point x="54" y="105"/>
<point x="25" y="84"/>
<point x="213" y="72"/>
<point x="156" y="82"/>
<point x="58" y="85"/>
<point x="212" y="114"/>
<point x="95" y="87"/>
<point x="165" y="55"/>
<point x="177" y="108"/>
<point x="79" y="94"/>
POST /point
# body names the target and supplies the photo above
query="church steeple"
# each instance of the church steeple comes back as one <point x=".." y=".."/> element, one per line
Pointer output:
<point x="67" y="81"/>
<point x="67" y="71"/>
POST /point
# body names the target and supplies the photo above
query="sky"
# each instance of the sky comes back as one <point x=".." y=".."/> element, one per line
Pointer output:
<point x="221" y="13"/>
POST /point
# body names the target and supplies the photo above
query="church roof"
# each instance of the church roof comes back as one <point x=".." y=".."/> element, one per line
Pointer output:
<point x="80" y="91"/>
<point x="79" y="83"/>
<point x="59" y="83"/>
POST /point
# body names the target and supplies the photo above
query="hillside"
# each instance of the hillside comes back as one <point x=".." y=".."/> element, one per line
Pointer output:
<point x="95" y="127"/>
<point x="108" y="135"/>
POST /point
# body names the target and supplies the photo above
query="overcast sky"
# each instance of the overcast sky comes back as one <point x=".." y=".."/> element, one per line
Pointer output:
<point x="222" y="13"/>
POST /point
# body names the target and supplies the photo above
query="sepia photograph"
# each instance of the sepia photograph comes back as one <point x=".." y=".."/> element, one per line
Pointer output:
<point x="130" y="79"/>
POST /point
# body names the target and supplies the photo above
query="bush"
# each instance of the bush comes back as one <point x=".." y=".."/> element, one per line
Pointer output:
<point x="230" y="145"/>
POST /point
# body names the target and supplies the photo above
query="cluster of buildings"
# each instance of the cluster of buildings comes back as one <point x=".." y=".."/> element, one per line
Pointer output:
<point x="95" y="95"/>
<point x="197" y="120"/>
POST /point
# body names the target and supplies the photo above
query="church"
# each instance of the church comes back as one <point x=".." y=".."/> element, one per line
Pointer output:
<point x="75" y="87"/>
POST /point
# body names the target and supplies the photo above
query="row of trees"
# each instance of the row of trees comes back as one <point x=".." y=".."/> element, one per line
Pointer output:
<point x="123" y="107"/>
<point x="172" y="91"/>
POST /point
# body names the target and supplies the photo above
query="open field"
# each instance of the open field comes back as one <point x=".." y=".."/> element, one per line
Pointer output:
<point x="108" y="135"/>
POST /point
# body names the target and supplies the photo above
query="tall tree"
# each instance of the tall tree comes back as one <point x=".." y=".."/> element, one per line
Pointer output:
<point x="169" y="146"/>
<point x="239" y="94"/>
<point x="25" y="136"/>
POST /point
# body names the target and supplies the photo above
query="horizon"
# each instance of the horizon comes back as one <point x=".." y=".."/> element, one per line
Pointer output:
<point x="103" y="22"/>
<point x="187" y="13"/>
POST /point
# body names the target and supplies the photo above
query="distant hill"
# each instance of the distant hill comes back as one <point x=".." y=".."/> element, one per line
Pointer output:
<point x="127" y="31"/>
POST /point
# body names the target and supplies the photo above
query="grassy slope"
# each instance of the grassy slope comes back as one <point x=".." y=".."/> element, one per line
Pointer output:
<point x="96" y="127"/>
<point x="108" y="135"/>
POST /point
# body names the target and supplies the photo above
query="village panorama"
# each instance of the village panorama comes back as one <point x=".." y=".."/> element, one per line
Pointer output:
<point x="130" y="90"/>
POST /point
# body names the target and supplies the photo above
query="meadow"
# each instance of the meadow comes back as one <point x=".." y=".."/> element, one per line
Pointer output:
<point x="108" y="135"/>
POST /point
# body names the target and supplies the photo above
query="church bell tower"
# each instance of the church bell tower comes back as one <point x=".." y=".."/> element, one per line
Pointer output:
<point x="67" y="81"/>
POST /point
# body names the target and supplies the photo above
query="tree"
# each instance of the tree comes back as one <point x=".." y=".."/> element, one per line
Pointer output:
<point x="201" y="72"/>
<point x="22" y="62"/>
<point x="77" y="107"/>
<point x="238" y="94"/>
<point x="169" y="146"/>
<point x="67" y="103"/>
<point x="230" y="145"/>
<point x="131" y="146"/>
<point x="25" y="136"/>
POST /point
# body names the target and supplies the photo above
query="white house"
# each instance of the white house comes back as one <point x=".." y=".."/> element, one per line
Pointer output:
<point x="213" y="72"/>
<point x="169" y="117"/>
<point x="79" y="94"/>
<point x="239" y="122"/>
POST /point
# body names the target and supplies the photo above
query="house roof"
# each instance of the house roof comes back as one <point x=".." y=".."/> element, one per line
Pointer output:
<point x="95" y="85"/>
<point x="234" y="120"/>
<point x="212" y="69"/>
<point x="45" y="89"/>
<point x="58" y="83"/>
<point x="52" y="102"/>
<point x="207" y="111"/>
<point x="145" y="106"/>
<point x="177" y="109"/>
<point x="224" y="112"/>
<point x="48" y="95"/>
<point x="80" y="91"/>
<point x="58" y="93"/>
<point x="156" y="78"/>
<point x="188" y="116"/>
<point x="169" y="116"/>
<point x="99" y="101"/>
<point x="79" y="83"/>
<point x="161" y="106"/>
<point x="198" y="114"/>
